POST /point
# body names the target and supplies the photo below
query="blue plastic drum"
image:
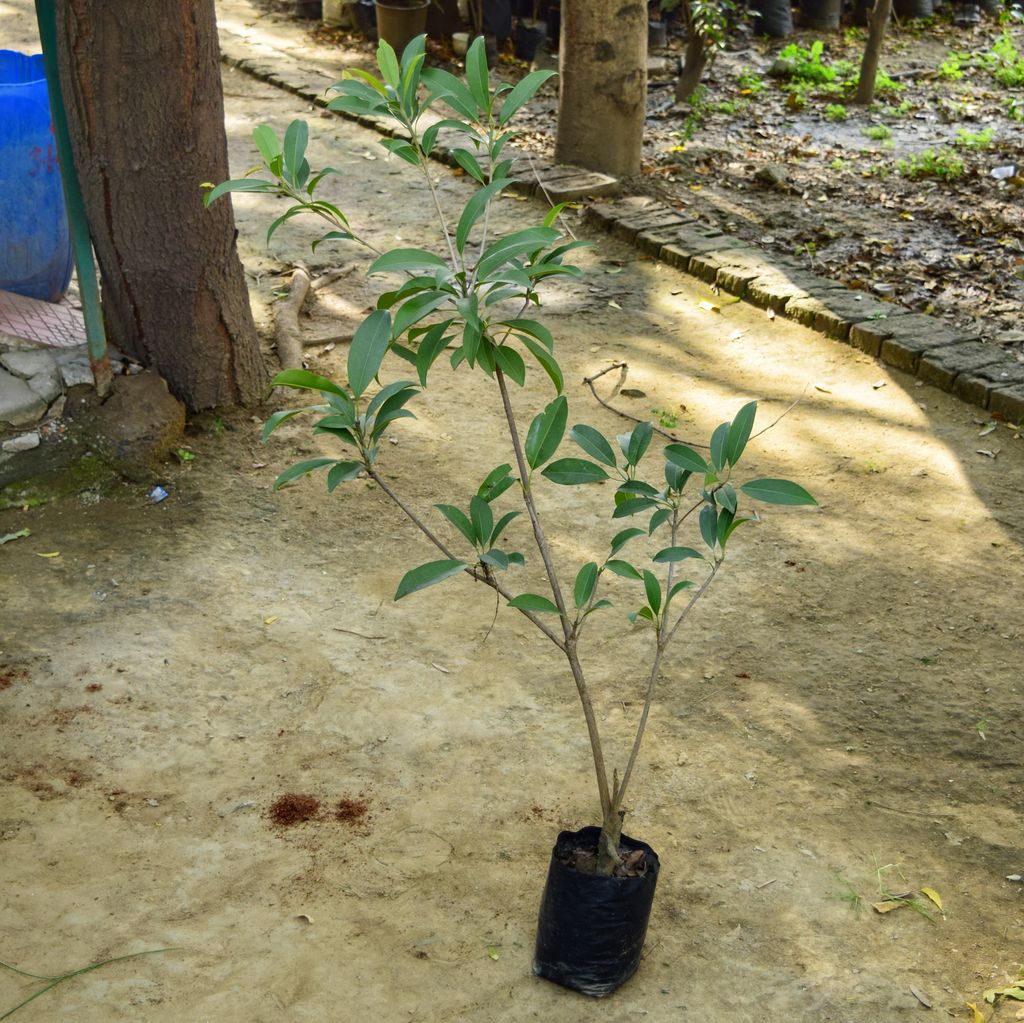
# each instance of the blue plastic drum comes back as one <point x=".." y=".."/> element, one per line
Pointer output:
<point x="35" y="243"/>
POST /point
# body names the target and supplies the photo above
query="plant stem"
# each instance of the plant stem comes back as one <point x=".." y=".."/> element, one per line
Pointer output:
<point x="570" y="639"/>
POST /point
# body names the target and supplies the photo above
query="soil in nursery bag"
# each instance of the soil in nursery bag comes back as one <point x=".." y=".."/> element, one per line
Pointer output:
<point x="591" y="931"/>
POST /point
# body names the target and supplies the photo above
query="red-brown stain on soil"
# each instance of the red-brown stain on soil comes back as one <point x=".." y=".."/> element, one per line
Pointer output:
<point x="294" y="808"/>
<point x="8" y="676"/>
<point x="352" y="811"/>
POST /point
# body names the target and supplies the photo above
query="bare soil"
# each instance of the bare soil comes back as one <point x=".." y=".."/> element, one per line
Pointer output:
<point x="842" y="716"/>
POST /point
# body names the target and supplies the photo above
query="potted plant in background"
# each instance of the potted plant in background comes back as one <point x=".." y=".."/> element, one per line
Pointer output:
<point x="399" y="21"/>
<point x="531" y="34"/>
<point x="473" y="303"/>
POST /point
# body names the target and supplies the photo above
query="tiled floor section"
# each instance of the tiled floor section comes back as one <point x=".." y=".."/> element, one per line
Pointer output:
<point x="57" y="325"/>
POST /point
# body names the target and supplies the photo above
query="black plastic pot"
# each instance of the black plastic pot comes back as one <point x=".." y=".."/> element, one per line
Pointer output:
<point x="312" y="9"/>
<point x="591" y="931"/>
<point x="366" y="18"/>
<point x="913" y="8"/>
<point x="529" y="37"/>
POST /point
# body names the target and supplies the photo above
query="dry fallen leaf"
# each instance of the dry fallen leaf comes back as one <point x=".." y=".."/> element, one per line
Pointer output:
<point x="48" y="554"/>
<point x="920" y="997"/>
<point x="981" y="451"/>
<point x="976" y="1016"/>
<point x="305" y="918"/>
<point x="441" y="668"/>
<point x="886" y="907"/>
<point x="710" y="306"/>
<point x="878" y="384"/>
<point x="271" y="619"/>
<point x="614" y="304"/>
<point x="932" y="894"/>
<point x="771" y="314"/>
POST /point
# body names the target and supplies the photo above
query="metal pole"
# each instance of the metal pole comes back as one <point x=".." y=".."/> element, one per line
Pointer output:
<point x="81" y="240"/>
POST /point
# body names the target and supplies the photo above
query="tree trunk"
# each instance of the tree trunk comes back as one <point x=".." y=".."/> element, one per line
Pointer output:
<point x="695" y="60"/>
<point x="603" y="66"/>
<point x="141" y="81"/>
<point x="877" y="21"/>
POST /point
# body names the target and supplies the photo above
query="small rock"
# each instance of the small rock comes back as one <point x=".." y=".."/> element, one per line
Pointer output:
<point x="76" y="373"/>
<point x="772" y="175"/>
<point x="26" y="442"/>
<point x="19" y="404"/>
<point x="46" y="384"/>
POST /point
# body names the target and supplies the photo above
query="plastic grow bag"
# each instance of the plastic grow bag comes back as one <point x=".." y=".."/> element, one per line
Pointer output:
<point x="35" y="242"/>
<point x="591" y="931"/>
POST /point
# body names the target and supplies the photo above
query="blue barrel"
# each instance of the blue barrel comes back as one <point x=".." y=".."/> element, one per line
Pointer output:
<point x="35" y="243"/>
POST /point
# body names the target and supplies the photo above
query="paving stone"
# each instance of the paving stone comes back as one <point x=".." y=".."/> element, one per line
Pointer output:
<point x="653" y="240"/>
<point x="1009" y="402"/>
<point x="663" y="219"/>
<point x="741" y="266"/>
<point x="28" y="363"/>
<point x="19" y="404"/>
<point x="869" y="335"/>
<point x="942" y="367"/>
<point x="571" y="183"/>
<point x="713" y="254"/>
<point x="835" y="310"/>
<point x="978" y="386"/>
<point x="775" y="289"/>
<point x="914" y="334"/>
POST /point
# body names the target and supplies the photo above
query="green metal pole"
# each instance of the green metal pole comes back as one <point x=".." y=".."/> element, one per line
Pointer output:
<point x="81" y="240"/>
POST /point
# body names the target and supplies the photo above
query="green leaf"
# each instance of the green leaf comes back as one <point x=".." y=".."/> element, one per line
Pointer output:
<point x="632" y="506"/>
<point x="266" y="142"/>
<point x="387" y="61"/>
<point x="496" y="559"/>
<point x="447" y="87"/>
<point x="388" y="392"/>
<point x="511" y="246"/>
<point x="686" y="458"/>
<point x="430" y="135"/>
<point x="722" y="527"/>
<point x="279" y="417"/>
<point x="432" y="344"/>
<point x="458" y="519"/>
<point x="636" y="488"/>
<point x="522" y="93"/>
<point x="474" y="209"/>
<point x="709" y="525"/>
<point x="586" y="580"/>
<point x="511" y="363"/>
<point x="533" y="602"/>
<point x="401" y="149"/>
<point x="296" y="138"/>
<point x="489" y="489"/>
<point x="546" y="360"/>
<point x="739" y="432"/>
<point x="639" y="441"/>
<point x="534" y="329"/>
<point x="599" y="606"/>
<point x="659" y="518"/>
<point x="644" y="612"/>
<point x="368" y="348"/>
<point x="546" y="432"/>
<point x="726" y="497"/>
<point x="502" y="524"/>
<point x="621" y="539"/>
<point x="332" y="236"/>
<point x="683" y="584"/>
<point x="341" y="473"/>
<point x="593" y="443"/>
<point x="672" y="554"/>
<point x="777" y="492"/>
<point x="302" y="469"/>
<point x="427" y="575"/>
<point x="302" y="378"/>
<point x="482" y="518"/>
<point x="571" y="472"/>
<point x="415" y="309"/>
<point x="401" y="260"/>
<point x="623" y="568"/>
<point x="469" y="163"/>
<point x="476" y="75"/>
<point x="238" y="185"/>
<point x="653" y="590"/>
<point x="718" y="441"/>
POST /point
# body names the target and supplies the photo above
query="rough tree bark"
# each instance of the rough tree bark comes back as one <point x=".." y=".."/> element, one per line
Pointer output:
<point x="141" y="81"/>
<point x="877" y="21"/>
<point x="603" y="85"/>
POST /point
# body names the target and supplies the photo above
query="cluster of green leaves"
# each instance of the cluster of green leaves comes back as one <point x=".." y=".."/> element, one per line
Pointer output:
<point x="973" y="139"/>
<point x="810" y="75"/>
<point x="716" y="499"/>
<point x="1002" y="61"/>
<point x="944" y="164"/>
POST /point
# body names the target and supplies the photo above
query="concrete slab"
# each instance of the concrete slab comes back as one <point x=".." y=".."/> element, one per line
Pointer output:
<point x="19" y="404"/>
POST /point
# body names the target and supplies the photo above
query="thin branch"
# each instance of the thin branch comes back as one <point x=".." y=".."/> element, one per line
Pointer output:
<point x="624" y="369"/>
<point x="474" y="572"/>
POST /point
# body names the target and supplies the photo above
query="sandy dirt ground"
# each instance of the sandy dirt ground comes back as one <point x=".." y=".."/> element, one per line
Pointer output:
<point x="847" y="699"/>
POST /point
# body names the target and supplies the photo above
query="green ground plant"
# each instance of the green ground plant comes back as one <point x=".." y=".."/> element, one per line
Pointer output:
<point x="835" y="112"/>
<point x="944" y="164"/>
<point x="476" y="304"/>
<point x="878" y="132"/>
<point x="973" y="139"/>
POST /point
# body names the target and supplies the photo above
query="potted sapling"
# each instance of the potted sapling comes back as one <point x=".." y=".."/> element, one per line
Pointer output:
<point x="670" y="523"/>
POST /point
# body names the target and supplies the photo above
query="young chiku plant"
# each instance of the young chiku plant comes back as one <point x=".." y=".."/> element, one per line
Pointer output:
<point x="470" y="302"/>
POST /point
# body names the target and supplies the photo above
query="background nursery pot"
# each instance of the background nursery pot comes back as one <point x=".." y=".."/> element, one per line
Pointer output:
<point x="590" y="935"/>
<point x="400" y="21"/>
